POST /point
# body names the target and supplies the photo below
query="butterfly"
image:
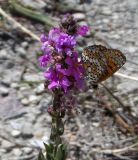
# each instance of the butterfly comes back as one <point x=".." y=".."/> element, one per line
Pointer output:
<point x="100" y="62"/>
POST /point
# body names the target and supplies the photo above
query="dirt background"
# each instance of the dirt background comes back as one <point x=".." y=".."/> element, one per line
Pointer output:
<point x="103" y="125"/>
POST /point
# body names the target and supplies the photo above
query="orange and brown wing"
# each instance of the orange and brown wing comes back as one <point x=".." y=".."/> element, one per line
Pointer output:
<point x="100" y="62"/>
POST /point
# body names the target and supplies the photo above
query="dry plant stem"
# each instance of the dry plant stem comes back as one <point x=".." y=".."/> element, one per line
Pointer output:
<point x="115" y="97"/>
<point x="118" y="118"/>
<point x="18" y="25"/>
<point x="115" y="151"/>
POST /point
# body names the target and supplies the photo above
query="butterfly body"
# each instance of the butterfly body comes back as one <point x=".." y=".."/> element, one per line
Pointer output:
<point x="101" y="62"/>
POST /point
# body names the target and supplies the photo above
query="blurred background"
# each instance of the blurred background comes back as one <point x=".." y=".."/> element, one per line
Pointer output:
<point x="103" y="121"/>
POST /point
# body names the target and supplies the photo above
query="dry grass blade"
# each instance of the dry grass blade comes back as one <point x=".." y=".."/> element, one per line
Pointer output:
<point x="18" y="25"/>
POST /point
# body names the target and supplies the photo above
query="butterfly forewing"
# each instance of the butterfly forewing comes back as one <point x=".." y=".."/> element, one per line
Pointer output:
<point x="100" y="62"/>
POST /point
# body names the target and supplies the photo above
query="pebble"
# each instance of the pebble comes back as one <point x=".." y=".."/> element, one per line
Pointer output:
<point x="15" y="85"/>
<point x="17" y="152"/>
<point x="34" y="77"/>
<point x="131" y="49"/>
<point x="39" y="133"/>
<point x="6" y="144"/>
<point x="21" y="51"/>
<point x="27" y="150"/>
<point x="39" y="89"/>
<point x="24" y="44"/>
<point x="15" y="133"/>
<point x="27" y="131"/>
<point x="95" y="124"/>
<point x="4" y="91"/>
<point x="79" y="16"/>
<point x="106" y="11"/>
<point x="3" y="54"/>
<point x="33" y="99"/>
<point x="25" y="101"/>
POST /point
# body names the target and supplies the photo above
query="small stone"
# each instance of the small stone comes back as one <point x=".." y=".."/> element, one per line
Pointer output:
<point x="15" y="85"/>
<point x="27" y="150"/>
<point x="17" y="151"/>
<point x="3" y="54"/>
<point x="6" y="144"/>
<point x="37" y="143"/>
<point x="33" y="77"/>
<point x="79" y="16"/>
<point x="33" y="99"/>
<point x="134" y="114"/>
<point x="115" y="36"/>
<point x="2" y="151"/>
<point x="39" y="133"/>
<point x="105" y="20"/>
<point x="95" y="124"/>
<point x="27" y="131"/>
<point x="131" y="49"/>
<point x="25" y="101"/>
<point x="115" y="16"/>
<point x="24" y="44"/>
<point x="21" y="51"/>
<point x="39" y="89"/>
<point x="4" y="91"/>
<point x="15" y="133"/>
<point x="106" y="11"/>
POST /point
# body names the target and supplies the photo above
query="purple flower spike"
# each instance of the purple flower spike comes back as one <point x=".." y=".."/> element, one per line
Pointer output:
<point x="44" y="59"/>
<point x="65" y="70"/>
<point x="57" y="78"/>
<point x="65" y="43"/>
<point x="53" y="36"/>
<point x="82" y="30"/>
<point x="75" y="67"/>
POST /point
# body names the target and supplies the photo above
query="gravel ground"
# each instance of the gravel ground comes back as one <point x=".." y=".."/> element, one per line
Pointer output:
<point x="24" y="122"/>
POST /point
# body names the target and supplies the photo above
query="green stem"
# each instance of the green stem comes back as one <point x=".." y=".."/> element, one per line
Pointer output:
<point x="57" y="128"/>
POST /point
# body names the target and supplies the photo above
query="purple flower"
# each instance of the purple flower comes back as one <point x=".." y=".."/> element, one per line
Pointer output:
<point x="43" y="38"/>
<point x="51" y="40"/>
<point x="57" y="78"/>
<point x="45" y="58"/>
<point x="75" y="69"/>
<point x="65" y="69"/>
<point x="65" y="43"/>
<point x="82" y="30"/>
<point x="44" y="46"/>
<point x="53" y="36"/>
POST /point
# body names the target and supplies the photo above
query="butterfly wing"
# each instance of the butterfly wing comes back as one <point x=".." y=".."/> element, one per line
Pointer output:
<point x="100" y="62"/>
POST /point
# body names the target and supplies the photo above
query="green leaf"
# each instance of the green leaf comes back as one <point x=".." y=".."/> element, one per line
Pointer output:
<point x="49" y="147"/>
<point x="61" y="152"/>
<point x="41" y="156"/>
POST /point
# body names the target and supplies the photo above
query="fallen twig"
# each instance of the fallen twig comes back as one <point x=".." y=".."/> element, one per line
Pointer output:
<point x="126" y="76"/>
<point x="115" y="97"/>
<point x="119" y="119"/>
<point x="18" y="25"/>
<point x="114" y="151"/>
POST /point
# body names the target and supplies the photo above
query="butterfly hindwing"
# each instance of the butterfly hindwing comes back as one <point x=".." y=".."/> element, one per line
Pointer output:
<point x="100" y="62"/>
